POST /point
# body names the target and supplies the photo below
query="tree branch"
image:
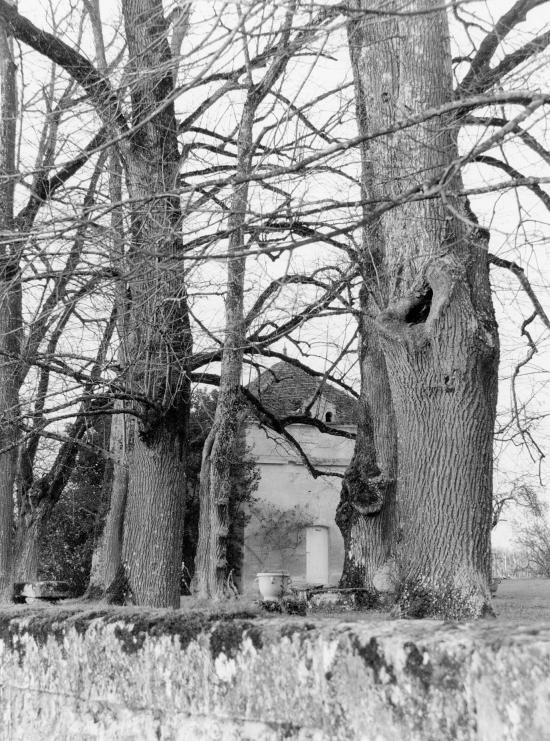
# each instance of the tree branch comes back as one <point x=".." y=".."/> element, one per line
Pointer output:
<point x="272" y="422"/>
<point x="486" y="50"/>
<point x="527" y="138"/>
<point x="527" y="287"/>
<point x="509" y="170"/>
<point x="97" y="87"/>
<point x="46" y="187"/>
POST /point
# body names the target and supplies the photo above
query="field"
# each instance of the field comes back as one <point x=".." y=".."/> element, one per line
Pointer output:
<point x="523" y="600"/>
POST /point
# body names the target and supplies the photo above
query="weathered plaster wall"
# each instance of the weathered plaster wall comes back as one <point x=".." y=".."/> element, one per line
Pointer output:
<point x="286" y="483"/>
<point x="117" y="674"/>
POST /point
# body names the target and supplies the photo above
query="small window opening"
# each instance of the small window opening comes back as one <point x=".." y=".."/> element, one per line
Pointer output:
<point x="328" y="417"/>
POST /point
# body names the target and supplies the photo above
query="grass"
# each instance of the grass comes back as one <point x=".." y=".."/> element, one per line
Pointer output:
<point x="523" y="600"/>
<point x="518" y="601"/>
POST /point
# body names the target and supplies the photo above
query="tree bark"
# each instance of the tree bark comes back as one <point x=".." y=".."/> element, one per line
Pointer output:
<point x="27" y="542"/>
<point x="121" y="448"/>
<point x="154" y="523"/>
<point x="244" y="482"/>
<point x="444" y="395"/>
<point x="10" y="314"/>
<point x="160" y="336"/>
<point x="107" y="557"/>
<point x="367" y="513"/>
<point x="436" y="329"/>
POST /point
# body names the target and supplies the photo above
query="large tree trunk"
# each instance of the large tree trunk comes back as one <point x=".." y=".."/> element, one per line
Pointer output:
<point x="156" y="491"/>
<point x="443" y="385"/>
<point x="154" y="523"/>
<point x="437" y="330"/>
<point x="159" y="341"/>
<point x="10" y="323"/>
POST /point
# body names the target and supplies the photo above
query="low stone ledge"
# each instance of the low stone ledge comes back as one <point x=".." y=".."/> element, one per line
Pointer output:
<point x="123" y="674"/>
<point x="36" y="591"/>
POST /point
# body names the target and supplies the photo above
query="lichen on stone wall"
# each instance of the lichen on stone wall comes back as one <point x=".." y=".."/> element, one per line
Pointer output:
<point x="123" y="673"/>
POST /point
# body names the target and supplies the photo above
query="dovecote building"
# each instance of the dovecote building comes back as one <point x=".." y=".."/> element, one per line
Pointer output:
<point x="291" y="526"/>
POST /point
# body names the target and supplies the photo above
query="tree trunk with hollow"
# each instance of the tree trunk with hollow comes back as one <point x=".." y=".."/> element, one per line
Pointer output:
<point x="436" y="326"/>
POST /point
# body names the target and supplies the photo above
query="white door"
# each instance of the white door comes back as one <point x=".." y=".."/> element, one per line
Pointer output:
<point x="317" y="554"/>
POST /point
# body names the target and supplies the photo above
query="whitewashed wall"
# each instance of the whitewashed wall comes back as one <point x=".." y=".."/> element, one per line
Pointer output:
<point x="274" y="541"/>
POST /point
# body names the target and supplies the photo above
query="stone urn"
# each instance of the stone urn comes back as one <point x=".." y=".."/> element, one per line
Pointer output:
<point x="273" y="584"/>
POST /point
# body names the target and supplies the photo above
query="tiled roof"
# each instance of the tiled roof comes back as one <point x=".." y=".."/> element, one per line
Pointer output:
<point x="285" y="389"/>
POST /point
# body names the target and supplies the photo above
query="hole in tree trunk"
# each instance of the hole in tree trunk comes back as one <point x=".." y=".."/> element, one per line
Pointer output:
<point x="419" y="312"/>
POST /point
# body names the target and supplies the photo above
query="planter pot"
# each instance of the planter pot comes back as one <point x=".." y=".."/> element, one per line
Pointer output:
<point x="273" y="584"/>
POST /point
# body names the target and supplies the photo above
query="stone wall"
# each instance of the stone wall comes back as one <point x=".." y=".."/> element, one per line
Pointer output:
<point x="120" y="674"/>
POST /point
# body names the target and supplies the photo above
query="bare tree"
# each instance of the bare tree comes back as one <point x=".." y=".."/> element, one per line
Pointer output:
<point x="40" y="494"/>
<point x="235" y="178"/>
<point x="534" y="540"/>
<point x="160" y="339"/>
<point x="521" y="495"/>
<point x="221" y="446"/>
<point x="427" y="309"/>
<point x="153" y="325"/>
<point x="49" y="314"/>
<point x="10" y="310"/>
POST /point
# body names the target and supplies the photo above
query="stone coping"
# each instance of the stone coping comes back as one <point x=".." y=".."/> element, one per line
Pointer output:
<point x="114" y="673"/>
